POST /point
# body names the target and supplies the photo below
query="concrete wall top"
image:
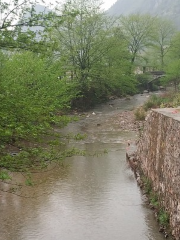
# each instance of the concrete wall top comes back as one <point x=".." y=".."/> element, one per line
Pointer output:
<point x="173" y="113"/>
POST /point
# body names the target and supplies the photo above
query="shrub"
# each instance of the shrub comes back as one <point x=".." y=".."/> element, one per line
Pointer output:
<point x="169" y="99"/>
<point x="153" y="102"/>
<point x="163" y="217"/>
<point x="30" y="95"/>
<point x="140" y="114"/>
<point x="154" y="199"/>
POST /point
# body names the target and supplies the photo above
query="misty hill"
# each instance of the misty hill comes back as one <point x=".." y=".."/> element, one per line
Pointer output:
<point x="166" y="8"/>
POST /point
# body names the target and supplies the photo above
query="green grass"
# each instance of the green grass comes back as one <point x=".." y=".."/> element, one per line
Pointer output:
<point x="163" y="217"/>
<point x="163" y="101"/>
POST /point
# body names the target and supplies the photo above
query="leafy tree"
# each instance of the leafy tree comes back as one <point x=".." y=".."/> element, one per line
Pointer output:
<point x="173" y="73"/>
<point x="137" y="30"/>
<point x="173" y="64"/>
<point x="162" y="41"/>
<point x="175" y="47"/>
<point x="79" y="38"/>
<point x="116" y="74"/>
<point x="84" y="44"/>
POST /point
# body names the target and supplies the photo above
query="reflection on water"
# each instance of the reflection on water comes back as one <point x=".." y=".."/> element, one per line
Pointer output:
<point x="91" y="198"/>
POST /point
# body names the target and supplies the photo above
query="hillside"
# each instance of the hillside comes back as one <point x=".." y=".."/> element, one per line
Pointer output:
<point x="165" y="8"/>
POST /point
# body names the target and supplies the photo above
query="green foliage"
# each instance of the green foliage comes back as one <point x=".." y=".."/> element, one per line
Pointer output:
<point x="137" y="29"/>
<point x="153" y="102"/>
<point x="33" y="100"/>
<point x="149" y="39"/>
<point x="80" y="136"/>
<point x="31" y="159"/>
<point x="147" y="185"/>
<point x="31" y="97"/>
<point x="175" y="47"/>
<point x="93" y="54"/>
<point x="29" y="182"/>
<point x="175" y="101"/>
<point x="169" y="99"/>
<point x="162" y="40"/>
<point x="22" y="25"/>
<point x="4" y="175"/>
<point x="142" y="80"/>
<point x="154" y="199"/>
<point x="163" y="217"/>
<point x="173" y="73"/>
<point x="73" y="152"/>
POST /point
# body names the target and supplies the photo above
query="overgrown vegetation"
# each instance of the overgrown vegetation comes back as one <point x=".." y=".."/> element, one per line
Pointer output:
<point x="165" y="100"/>
<point x="161" y="214"/>
<point x="163" y="218"/>
<point x="32" y="98"/>
<point x="169" y="99"/>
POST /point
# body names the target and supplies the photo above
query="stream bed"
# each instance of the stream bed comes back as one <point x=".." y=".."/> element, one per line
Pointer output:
<point x="93" y="197"/>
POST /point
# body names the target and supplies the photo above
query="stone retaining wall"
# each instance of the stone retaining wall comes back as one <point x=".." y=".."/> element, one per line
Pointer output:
<point x="158" y="156"/>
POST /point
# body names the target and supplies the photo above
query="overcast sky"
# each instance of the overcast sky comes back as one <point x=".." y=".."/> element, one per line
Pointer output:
<point x="108" y="3"/>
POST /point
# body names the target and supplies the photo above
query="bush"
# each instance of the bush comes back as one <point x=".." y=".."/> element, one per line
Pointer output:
<point x="163" y="217"/>
<point x="153" y="102"/>
<point x="30" y="95"/>
<point x="163" y="101"/>
<point x="140" y="114"/>
<point x="154" y="199"/>
<point x="176" y="100"/>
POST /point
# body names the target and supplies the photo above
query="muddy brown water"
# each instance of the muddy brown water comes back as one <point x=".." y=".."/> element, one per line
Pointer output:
<point x="92" y="197"/>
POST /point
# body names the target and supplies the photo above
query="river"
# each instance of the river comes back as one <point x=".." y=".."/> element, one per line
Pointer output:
<point x="90" y="198"/>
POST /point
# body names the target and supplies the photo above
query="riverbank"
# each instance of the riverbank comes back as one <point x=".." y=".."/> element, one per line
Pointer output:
<point x="155" y="163"/>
